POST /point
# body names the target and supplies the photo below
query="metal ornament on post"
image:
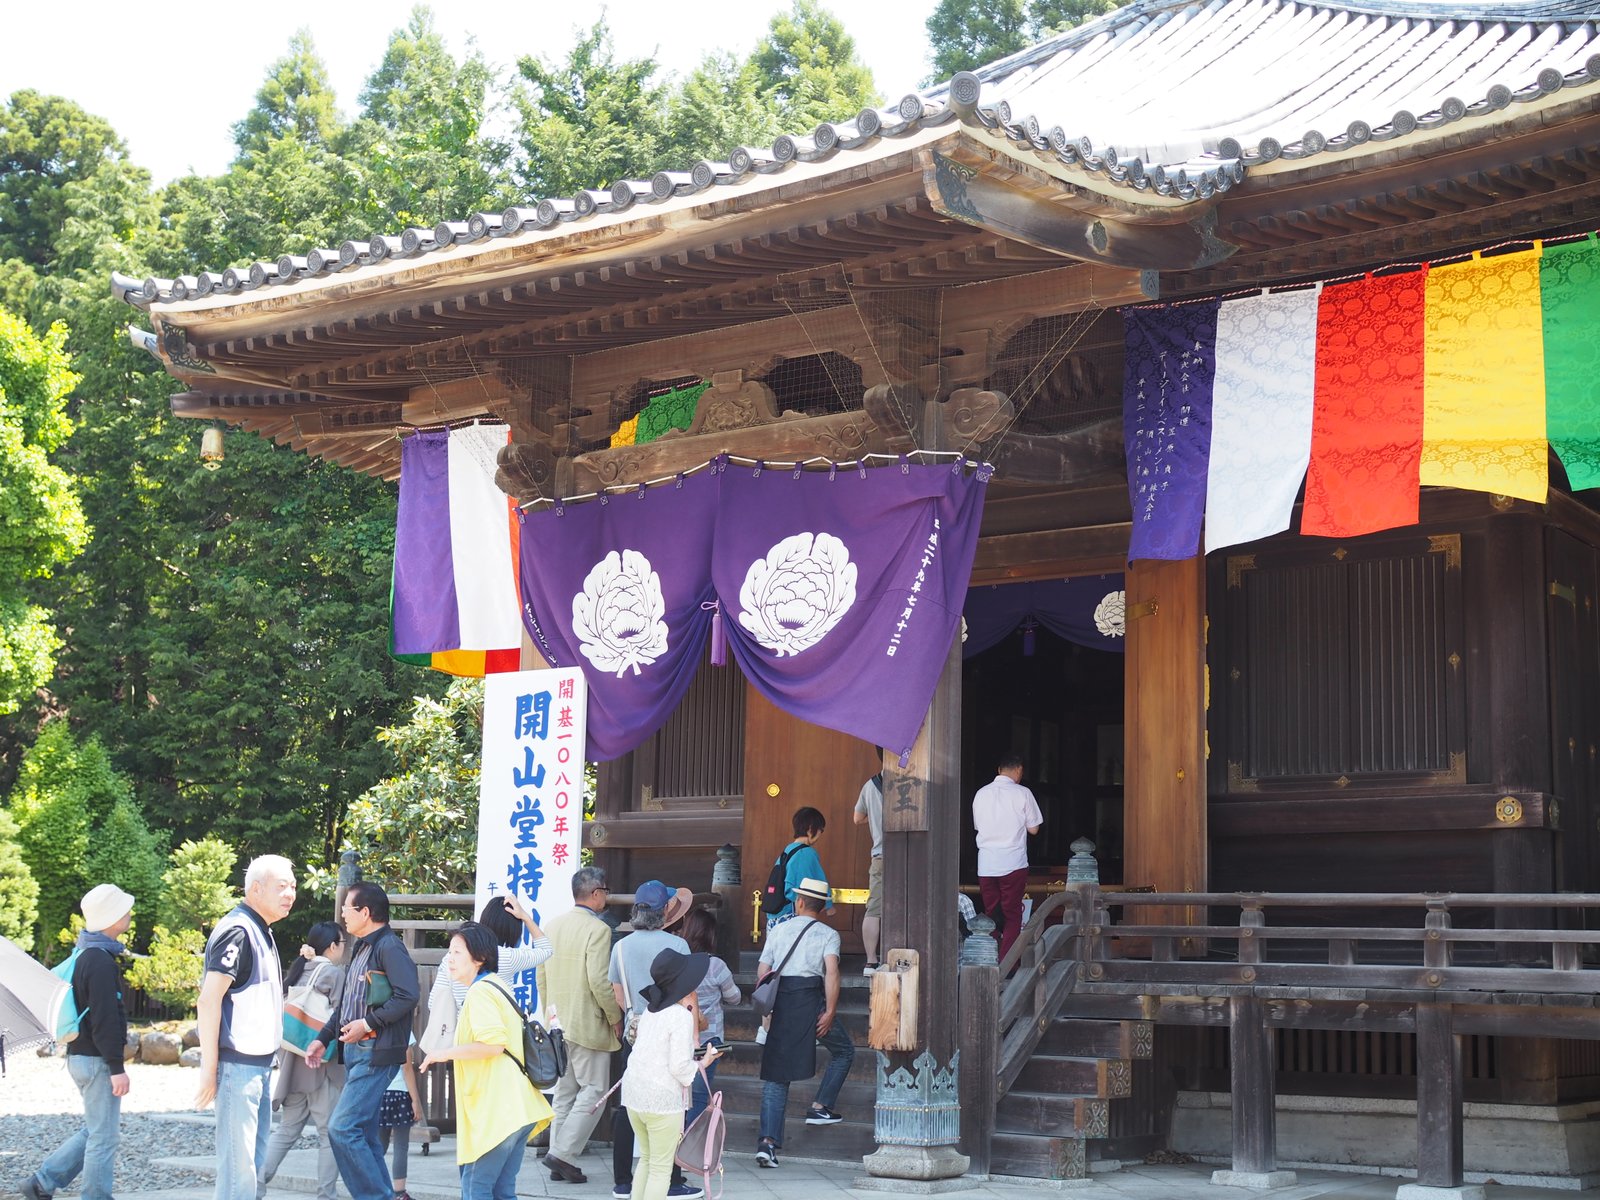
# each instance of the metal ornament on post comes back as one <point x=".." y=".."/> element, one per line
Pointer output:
<point x="1083" y="867"/>
<point x="922" y="1109"/>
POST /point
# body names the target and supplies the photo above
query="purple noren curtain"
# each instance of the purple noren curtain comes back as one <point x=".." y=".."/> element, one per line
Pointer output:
<point x="840" y="592"/>
<point x="1088" y="611"/>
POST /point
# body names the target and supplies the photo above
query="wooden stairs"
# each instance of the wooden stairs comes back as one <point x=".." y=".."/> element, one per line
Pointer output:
<point x="1073" y="1103"/>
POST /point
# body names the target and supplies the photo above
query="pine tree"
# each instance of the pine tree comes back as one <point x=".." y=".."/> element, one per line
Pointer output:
<point x="195" y="889"/>
<point x="124" y="852"/>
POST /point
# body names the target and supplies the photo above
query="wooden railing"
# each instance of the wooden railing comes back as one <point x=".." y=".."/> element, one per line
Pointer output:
<point x="1505" y="972"/>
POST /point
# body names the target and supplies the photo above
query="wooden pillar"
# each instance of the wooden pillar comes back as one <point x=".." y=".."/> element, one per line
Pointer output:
<point x="1164" y="806"/>
<point x="980" y="1060"/>
<point x="1439" y="1107"/>
<point x="921" y="857"/>
<point x="1254" y="1099"/>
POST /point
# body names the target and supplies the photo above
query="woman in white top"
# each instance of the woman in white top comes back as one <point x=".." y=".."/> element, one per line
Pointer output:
<point x="655" y="1087"/>
<point x="506" y="918"/>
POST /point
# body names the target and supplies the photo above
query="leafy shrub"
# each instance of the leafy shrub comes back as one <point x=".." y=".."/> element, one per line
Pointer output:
<point x="19" y="894"/>
<point x="196" y="891"/>
<point x="170" y="973"/>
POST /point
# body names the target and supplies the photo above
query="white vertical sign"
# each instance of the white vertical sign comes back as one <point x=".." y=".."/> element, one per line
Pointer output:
<point x="530" y="794"/>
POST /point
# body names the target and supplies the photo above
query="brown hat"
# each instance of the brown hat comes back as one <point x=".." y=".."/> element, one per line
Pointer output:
<point x="681" y="901"/>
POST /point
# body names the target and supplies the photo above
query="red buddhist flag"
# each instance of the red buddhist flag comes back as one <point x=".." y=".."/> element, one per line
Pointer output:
<point x="1366" y="434"/>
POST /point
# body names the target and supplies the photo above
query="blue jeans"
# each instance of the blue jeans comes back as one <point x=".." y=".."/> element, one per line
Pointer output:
<point x="493" y="1174"/>
<point x="353" y="1128"/>
<point x="775" y="1096"/>
<point x="244" y="1126"/>
<point x="93" y="1149"/>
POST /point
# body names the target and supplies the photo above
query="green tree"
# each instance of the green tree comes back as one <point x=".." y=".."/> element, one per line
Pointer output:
<point x="591" y="120"/>
<point x="125" y="852"/>
<point x="964" y="35"/>
<point x="197" y="889"/>
<point x="41" y="520"/>
<point x="719" y="105"/>
<point x="19" y="893"/>
<point x="422" y="144"/>
<point x="46" y="142"/>
<point x="295" y="101"/>
<point x="808" y="68"/>
<point x="417" y="830"/>
<point x="54" y="838"/>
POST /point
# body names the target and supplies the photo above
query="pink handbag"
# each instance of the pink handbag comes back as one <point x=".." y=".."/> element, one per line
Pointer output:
<point x="700" y="1148"/>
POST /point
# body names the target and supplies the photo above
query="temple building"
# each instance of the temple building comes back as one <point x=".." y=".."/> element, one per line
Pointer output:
<point x="1378" y="674"/>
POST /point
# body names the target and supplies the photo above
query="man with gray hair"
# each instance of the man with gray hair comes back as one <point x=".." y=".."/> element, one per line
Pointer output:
<point x="241" y="1024"/>
<point x="574" y="987"/>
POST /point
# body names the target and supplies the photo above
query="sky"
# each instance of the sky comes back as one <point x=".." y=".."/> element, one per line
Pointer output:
<point x="174" y="77"/>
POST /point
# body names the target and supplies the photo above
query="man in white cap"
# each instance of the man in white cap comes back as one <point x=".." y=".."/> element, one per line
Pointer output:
<point x="241" y="1024"/>
<point x="94" y="1055"/>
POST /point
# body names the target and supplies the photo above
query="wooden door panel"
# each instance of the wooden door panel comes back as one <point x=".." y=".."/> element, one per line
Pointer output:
<point x="807" y="765"/>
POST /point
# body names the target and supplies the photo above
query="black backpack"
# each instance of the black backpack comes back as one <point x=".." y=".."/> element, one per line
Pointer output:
<point x="544" y="1053"/>
<point x="773" y="898"/>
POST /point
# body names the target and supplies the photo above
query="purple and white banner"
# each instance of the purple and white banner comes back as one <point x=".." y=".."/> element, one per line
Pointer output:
<point x="530" y="795"/>
<point x="839" y="591"/>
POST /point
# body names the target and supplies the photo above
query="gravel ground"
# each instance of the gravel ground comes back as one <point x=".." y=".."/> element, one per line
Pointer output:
<point x="40" y="1108"/>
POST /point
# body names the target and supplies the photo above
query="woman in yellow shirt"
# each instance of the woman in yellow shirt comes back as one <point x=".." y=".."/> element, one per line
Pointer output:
<point x="497" y="1109"/>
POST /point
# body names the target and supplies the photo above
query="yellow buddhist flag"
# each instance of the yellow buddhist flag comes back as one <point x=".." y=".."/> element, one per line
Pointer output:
<point x="1483" y="377"/>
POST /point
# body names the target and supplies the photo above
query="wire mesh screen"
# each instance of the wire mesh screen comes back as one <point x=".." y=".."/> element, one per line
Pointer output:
<point x="1062" y="372"/>
<point x="860" y="337"/>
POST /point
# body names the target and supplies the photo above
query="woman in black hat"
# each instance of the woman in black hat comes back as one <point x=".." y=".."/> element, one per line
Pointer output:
<point x="655" y="1087"/>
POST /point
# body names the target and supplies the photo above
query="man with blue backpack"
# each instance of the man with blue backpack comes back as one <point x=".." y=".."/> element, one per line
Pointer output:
<point x="94" y="1050"/>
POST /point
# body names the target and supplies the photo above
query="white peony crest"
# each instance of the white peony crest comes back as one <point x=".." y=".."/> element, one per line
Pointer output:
<point x="792" y="598"/>
<point x="1110" y="615"/>
<point x="619" y="617"/>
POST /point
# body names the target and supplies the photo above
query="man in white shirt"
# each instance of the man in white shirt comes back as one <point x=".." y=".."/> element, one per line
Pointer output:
<point x="1004" y="813"/>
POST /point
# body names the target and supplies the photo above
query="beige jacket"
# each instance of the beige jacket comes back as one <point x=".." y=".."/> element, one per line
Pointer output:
<point x="575" y="981"/>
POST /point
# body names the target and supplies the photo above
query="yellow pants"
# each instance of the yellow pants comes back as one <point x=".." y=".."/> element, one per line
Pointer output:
<point x="656" y="1135"/>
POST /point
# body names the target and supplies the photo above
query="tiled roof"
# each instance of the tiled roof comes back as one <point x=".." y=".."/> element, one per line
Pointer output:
<point x="1165" y="98"/>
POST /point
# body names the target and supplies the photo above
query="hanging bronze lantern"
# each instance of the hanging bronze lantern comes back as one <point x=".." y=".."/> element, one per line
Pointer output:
<point x="211" y="448"/>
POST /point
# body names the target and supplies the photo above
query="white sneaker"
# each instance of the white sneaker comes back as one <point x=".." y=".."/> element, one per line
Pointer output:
<point x="871" y="968"/>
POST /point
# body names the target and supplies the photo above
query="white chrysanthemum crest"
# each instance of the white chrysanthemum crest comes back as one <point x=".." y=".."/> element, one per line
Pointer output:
<point x="793" y="597"/>
<point x="620" y="617"/>
<point x="1110" y="615"/>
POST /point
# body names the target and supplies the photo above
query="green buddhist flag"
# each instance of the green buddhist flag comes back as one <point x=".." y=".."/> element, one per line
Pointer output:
<point x="1569" y="286"/>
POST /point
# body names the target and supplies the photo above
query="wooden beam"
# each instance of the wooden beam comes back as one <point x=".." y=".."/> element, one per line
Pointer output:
<point x="978" y="1005"/>
<point x="964" y="192"/>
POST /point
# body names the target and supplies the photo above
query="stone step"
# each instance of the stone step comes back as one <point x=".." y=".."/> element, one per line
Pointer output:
<point x="1093" y="1038"/>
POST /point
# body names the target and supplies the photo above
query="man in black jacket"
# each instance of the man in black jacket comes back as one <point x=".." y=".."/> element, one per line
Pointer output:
<point x="94" y="1055"/>
<point x="373" y="1030"/>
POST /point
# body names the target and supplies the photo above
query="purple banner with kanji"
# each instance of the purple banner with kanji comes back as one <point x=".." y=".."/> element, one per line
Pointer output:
<point x="530" y="795"/>
<point x="1170" y="367"/>
<point x="841" y="591"/>
<point x="621" y="587"/>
